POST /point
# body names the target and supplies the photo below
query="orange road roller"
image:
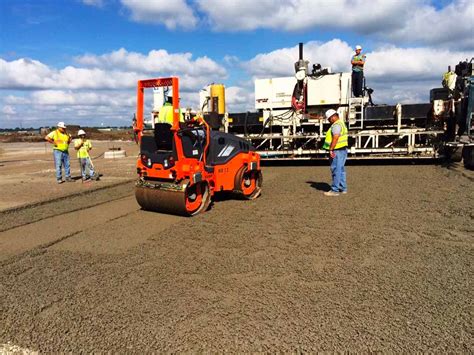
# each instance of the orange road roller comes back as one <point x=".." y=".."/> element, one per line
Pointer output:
<point x="182" y="165"/>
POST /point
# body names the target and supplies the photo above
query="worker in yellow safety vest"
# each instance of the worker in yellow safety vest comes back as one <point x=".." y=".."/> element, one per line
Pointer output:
<point x="336" y="144"/>
<point x="163" y="124"/>
<point x="83" y="146"/>
<point x="60" y="140"/>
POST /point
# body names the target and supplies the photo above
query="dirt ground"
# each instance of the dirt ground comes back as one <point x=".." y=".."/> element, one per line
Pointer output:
<point x="387" y="267"/>
<point x="27" y="173"/>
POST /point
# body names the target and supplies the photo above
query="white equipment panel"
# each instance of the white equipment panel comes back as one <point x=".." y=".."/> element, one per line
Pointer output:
<point x="330" y="89"/>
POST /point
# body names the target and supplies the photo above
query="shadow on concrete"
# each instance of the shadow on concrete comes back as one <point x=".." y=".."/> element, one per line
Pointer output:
<point x="321" y="186"/>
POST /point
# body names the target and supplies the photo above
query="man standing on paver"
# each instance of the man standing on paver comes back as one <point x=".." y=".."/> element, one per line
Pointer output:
<point x="336" y="144"/>
<point x="60" y="140"/>
<point x="83" y="146"/>
<point x="358" y="62"/>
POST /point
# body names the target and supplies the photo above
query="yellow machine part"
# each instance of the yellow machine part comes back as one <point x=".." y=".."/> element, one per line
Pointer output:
<point x="218" y="98"/>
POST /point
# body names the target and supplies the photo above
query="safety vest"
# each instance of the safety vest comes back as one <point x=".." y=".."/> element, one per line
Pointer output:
<point x="166" y="114"/>
<point x="358" y="58"/>
<point x="83" y="151"/>
<point x="342" y="141"/>
<point x="449" y="80"/>
<point x="61" y="140"/>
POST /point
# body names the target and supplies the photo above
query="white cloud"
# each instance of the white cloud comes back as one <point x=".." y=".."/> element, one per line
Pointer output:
<point x="417" y="22"/>
<point x="83" y="98"/>
<point x="239" y="99"/>
<point x="116" y="70"/>
<point x="409" y="64"/>
<point x="403" y="21"/>
<point x="193" y="73"/>
<point x="304" y="14"/>
<point x="32" y="74"/>
<point x="156" y="61"/>
<point x="172" y="14"/>
<point x="99" y="86"/>
<point x="452" y="25"/>
<point x="96" y="3"/>
<point x="23" y="73"/>
<point x="334" y="53"/>
<point x="8" y="110"/>
<point x="15" y="100"/>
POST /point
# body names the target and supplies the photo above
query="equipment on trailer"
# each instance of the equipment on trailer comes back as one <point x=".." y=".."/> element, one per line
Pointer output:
<point x="181" y="178"/>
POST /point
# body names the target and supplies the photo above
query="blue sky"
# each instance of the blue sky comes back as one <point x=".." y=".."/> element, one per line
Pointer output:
<point x="78" y="60"/>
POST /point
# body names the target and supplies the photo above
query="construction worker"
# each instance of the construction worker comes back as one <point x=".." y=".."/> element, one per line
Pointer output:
<point x="135" y="129"/>
<point x="60" y="140"/>
<point x="163" y="124"/>
<point x="336" y="144"/>
<point x="358" y="62"/>
<point x="83" y="146"/>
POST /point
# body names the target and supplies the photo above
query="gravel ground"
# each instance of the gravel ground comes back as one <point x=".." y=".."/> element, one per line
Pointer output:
<point x="27" y="172"/>
<point x="387" y="267"/>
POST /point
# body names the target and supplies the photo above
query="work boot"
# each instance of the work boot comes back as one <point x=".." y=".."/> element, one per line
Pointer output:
<point x="331" y="193"/>
<point x="68" y="179"/>
<point x="343" y="192"/>
<point x="60" y="181"/>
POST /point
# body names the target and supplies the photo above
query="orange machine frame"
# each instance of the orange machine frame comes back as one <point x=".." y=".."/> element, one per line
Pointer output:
<point x="153" y="83"/>
<point x="223" y="177"/>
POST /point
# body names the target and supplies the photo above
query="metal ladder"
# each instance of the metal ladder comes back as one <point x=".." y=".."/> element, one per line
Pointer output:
<point x="356" y="110"/>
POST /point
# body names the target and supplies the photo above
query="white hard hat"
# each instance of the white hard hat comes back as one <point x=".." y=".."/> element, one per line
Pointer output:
<point x="358" y="47"/>
<point x="81" y="132"/>
<point x="61" y="125"/>
<point x="330" y="113"/>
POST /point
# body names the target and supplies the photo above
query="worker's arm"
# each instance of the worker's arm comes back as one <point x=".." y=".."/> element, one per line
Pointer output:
<point x="50" y="138"/>
<point x="358" y="62"/>
<point x="335" y="138"/>
<point x="78" y="144"/>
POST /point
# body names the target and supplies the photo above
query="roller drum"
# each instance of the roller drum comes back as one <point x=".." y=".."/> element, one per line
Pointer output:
<point x="248" y="184"/>
<point x="178" y="199"/>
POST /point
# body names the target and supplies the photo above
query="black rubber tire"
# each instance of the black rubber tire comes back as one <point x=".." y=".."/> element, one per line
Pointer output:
<point x="455" y="154"/>
<point x="468" y="157"/>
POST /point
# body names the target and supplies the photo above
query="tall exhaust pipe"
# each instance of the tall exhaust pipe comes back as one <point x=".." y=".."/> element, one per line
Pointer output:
<point x="301" y="64"/>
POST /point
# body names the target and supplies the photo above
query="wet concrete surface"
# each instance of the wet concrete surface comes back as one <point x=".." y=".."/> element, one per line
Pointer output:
<point x="387" y="267"/>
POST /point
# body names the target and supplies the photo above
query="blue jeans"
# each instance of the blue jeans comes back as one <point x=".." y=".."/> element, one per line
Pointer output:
<point x="338" y="170"/>
<point x="86" y="165"/>
<point x="61" y="159"/>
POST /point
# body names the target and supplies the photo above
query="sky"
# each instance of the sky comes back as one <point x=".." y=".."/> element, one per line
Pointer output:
<point x="78" y="61"/>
